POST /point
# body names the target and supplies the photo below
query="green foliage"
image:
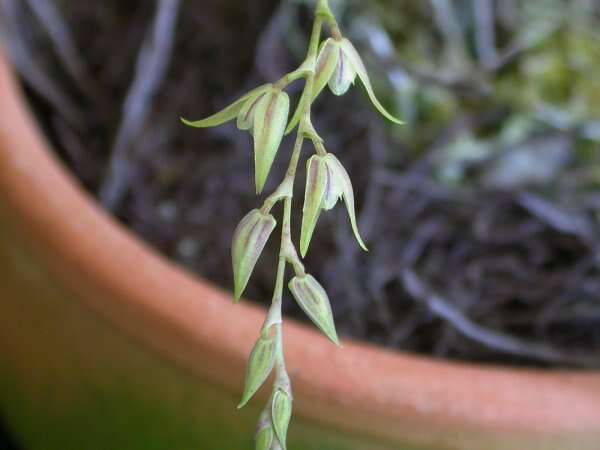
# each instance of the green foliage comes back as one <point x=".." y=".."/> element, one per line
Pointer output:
<point x="466" y="80"/>
<point x="265" y="112"/>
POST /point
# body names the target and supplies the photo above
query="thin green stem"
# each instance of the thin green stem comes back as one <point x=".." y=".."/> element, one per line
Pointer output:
<point x="288" y="254"/>
<point x="315" y="38"/>
<point x="324" y="11"/>
<point x="300" y="72"/>
<point x="320" y="148"/>
<point x="287" y="251"/>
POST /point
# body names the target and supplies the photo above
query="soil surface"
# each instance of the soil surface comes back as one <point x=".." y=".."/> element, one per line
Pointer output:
<point x="475" y="272"/>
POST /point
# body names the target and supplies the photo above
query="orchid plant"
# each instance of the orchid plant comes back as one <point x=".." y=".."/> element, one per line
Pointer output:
<point x="264" y="112"/>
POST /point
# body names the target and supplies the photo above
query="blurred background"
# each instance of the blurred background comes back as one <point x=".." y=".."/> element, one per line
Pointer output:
<point x="481" y="213"/>
<point x="5" y="441"/>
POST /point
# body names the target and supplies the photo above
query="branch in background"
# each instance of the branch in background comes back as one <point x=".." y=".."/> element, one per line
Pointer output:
<point x="28" y="64"/>
<point x="485" y="32"/>
<point x="152" y="64"/>
<point x="490" y="338"/>
<point x="60" y="36"/>
<point x="557" y="217"/>
<point x="451" y="29"/>
<point x="271" y="54"/>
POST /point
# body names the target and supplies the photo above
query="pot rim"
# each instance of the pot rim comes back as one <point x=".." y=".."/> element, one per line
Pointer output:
<point x="359" y="388"/>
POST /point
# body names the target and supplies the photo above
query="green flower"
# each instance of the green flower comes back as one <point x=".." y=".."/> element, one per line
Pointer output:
<point x="264" y="113"/>
<point x="259" y="367"/>
<point x="326" y="182"/>
<point x="338" y="65"/>
<point x="313" y="300"/>
<point x="249" y="240"/>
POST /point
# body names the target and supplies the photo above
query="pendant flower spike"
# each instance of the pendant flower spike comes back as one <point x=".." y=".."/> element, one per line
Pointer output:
<point x="263" y="112"/>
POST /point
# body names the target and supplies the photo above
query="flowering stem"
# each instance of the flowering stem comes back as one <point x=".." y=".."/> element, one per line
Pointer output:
<point x="324" y="11"/>
<point x="264" y="112"/>
<point x="287" y="251"/>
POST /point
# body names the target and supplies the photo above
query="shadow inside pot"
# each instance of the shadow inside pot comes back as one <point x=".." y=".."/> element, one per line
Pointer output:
<point x="6" y="442"/>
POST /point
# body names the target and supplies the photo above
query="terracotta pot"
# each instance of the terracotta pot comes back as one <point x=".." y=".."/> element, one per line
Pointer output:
<point x="105" y="345"/>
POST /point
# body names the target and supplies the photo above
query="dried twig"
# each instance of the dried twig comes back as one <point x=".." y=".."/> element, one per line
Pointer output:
<point x="152" y="65"/>
<point x="494" y="339"/>
<point x="450" y="26"/>
<point x="60" y="36"/>
<point x="485" y="32"/>
<point x="555" y="217"/>
<point x="14" y="26"/>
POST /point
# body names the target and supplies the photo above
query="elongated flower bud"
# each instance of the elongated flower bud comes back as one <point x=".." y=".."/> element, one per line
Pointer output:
<point x="281" y="414"/>
<point x="321" y="193"/>
<point x="344" y="74"/>
<point x="249" y="240"/>
<point x="270" y="120"/>
<point x="264" y="437"/>
<point x="259" y="367"/>
<point x="316" y="183"/>
<point x="227" y="114"/>
<point x="245" y="118"/>
<point x="326" y="65"/>
<point x="343" y="186"/>
<point x="333" y="188"/>
<point x="313" y="300"/>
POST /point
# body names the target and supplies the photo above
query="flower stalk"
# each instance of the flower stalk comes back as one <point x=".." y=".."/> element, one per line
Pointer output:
<point x="264" y="112"/>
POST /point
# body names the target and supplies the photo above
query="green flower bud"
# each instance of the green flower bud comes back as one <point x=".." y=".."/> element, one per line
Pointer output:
<point x="270" y="120"/>
<point x="344" y="74"/>
<point x="281" y="414"/>
<point x="245" y="118"/>
<point x="333" y="188"/>
<point x="276" y="445"/>
<point x="227" y="114"/>
<point x="343" y="186"/>
<point x="326" y="182"/>
<point x="264" y="437"/>
<point x="317" y="180"/>
<point x="260" y="364"/>
<point x="326" y="65"/>
<point x="355" y="61"/>
<point x="313" y="300"/>
<point x="249" y="240"/>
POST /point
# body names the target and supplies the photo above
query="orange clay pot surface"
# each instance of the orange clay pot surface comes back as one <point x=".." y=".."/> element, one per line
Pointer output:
<point x="105" y="345"/>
